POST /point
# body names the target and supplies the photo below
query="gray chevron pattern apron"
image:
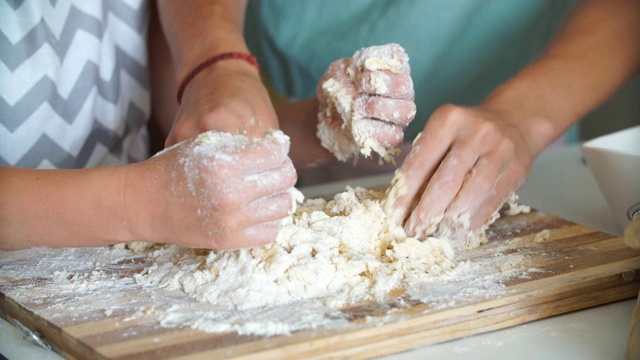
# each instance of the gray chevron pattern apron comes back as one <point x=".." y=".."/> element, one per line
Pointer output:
<point x="74" y="87"/>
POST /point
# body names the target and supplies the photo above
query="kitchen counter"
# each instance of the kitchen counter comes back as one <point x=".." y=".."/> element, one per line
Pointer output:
<point x="560" y="184"/>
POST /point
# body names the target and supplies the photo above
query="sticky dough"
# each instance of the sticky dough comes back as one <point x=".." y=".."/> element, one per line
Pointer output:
<point x="341" y="251"/>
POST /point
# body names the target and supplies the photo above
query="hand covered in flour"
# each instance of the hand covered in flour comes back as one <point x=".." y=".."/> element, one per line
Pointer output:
<point x="219" y="191"/>
<point x="366" y="102"/>
<point x="461" y="169"/>
<point x="228" y="96"/>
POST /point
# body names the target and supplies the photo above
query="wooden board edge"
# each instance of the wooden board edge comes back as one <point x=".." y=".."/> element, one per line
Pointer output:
<point x="423" y="330"/>
<point x="51" y="334"/>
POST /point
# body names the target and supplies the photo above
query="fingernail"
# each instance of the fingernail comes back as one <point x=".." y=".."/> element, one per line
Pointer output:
<point x="424" y="226"/>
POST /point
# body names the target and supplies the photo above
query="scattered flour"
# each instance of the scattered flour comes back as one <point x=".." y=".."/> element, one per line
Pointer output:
<point x="333" y="255"/>
<point x="341" y="251"/>
<point x="336" y="261"/>
<point x="330" y="257"/>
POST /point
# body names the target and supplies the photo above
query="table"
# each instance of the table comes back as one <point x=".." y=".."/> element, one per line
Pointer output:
<point x="560" y="184"/>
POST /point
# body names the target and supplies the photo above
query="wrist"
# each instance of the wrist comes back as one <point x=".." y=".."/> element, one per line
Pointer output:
<point x="244" y="60"/>
<point x="137" y="207"/>
<point x="223" y="42"/>
<point x="530" y="119"/>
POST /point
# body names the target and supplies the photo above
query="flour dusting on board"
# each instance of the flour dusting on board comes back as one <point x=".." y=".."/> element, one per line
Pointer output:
<point x="333" y="257"/>
<point x="337" y="261"/>
<point x="330" y="258"/>
<point x="338" y="252"/>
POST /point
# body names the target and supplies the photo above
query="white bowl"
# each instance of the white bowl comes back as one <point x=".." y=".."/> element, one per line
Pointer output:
<point x="614" y="160"/>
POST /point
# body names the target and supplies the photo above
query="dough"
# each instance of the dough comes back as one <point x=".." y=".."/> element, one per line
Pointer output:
<point x="341" y="251"/>
<point x="330" y="255"/>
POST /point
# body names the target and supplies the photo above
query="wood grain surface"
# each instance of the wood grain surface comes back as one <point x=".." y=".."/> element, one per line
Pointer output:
<point x="577" y="268"/>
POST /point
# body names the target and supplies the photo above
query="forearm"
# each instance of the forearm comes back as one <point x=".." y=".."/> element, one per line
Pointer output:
<point x="60" y="208"/>
<point x="224" y="96"/>
<point x="199" y="29"/>
<point x="594" y="53"/>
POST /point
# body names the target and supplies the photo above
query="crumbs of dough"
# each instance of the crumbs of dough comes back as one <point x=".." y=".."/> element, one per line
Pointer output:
<point x="542" y="236"/>
<point x="341" y="251"/>
<point x="178" y="284"/>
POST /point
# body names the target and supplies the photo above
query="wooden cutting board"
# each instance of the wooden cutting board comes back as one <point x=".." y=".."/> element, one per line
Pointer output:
<point x="576" y="268"/>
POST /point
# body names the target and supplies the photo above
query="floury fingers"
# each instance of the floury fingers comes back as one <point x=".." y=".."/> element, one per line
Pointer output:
<point x="366" y="102"/>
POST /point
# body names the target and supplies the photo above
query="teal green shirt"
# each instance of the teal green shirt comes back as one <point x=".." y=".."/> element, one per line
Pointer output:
<point x="459" y="50"/>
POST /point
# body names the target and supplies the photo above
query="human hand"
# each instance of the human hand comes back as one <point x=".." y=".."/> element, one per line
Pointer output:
<point x="461" y="169"/>
<point x="366" y="102"/>
<point x="218" y="191"/>
<point x="229" y="97"/>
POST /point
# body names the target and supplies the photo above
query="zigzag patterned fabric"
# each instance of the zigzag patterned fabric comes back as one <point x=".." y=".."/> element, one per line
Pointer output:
<point x="74" y="89"/>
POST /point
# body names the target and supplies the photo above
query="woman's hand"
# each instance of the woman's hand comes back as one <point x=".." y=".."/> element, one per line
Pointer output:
<point x="469" y="160"/>
<point x="462" y="168"/>
<point x="366" y="102"/>
<point x="218" y="191"/>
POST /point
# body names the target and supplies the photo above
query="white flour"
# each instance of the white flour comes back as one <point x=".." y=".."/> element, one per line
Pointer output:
<point x="333" y="254"/>
<point x="341" y="252"/>
<point x="329" y="260"/>
<point x="301" y="282"/>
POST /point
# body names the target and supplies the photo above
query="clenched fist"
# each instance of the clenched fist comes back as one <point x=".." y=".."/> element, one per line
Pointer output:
<point x="218" y="190"/>
<point x="366" y="102"/>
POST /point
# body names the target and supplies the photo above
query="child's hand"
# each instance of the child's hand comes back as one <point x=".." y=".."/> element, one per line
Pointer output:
<point x="218" y="191"/>
<point x="366" y="102"/>
<point x="227" y="97"/>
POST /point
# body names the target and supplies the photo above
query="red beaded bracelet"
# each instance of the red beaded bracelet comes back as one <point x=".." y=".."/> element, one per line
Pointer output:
<point x="224" y="56"/>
